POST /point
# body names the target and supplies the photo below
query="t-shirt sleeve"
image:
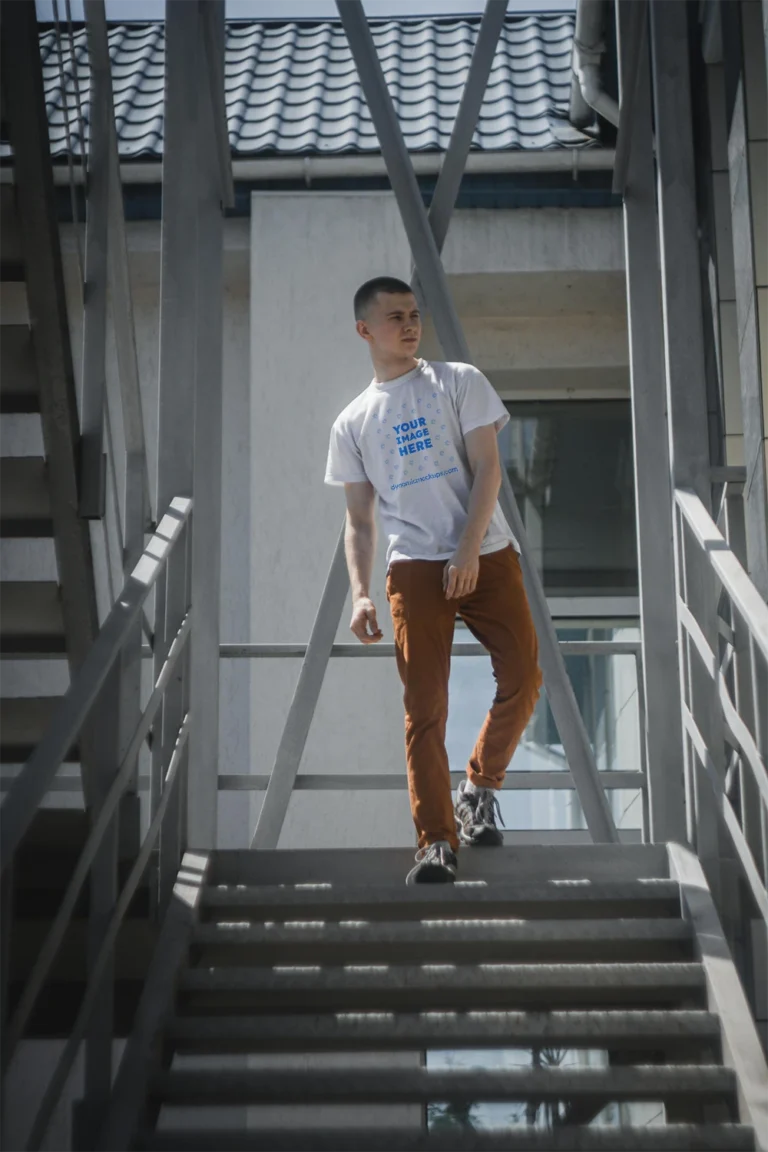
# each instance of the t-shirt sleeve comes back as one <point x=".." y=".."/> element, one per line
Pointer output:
<point x="345" y="464"/>
<point x="477" y="401"/>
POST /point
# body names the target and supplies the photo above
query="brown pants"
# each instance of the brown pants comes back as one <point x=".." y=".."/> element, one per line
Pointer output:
<point x="497" y="615"/>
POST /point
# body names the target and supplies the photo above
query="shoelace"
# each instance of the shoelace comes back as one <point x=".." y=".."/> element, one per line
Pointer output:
<point x="431" y="850"/>
<point x="488" y="808"/>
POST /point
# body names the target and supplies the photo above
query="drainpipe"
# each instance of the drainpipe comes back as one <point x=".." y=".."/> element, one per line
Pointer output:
<point x="586" y="90"/>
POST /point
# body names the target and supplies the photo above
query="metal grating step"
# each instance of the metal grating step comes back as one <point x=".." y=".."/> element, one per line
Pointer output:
<point x="456" y="942"/>
<point x="387" y="867"/>
<point x="658" y="1082"/>
<point x="31" y="619"/>
<point x="18" y="379"/>
<point x="661" y="1031"/>
<point x="534" y="900"/>
<point x="25" y="505"/>
<point x="444" y="987"/>
<point x="608" y="1138"/>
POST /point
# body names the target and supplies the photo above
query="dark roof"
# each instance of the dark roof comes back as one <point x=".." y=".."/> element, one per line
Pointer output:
<point x="292" y="88"/>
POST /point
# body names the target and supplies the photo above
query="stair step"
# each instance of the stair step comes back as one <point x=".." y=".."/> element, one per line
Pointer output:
<point x="25" y="505"/>
<point x="445" y="987"/>
<point x="23" y="721"/>
<point x="534" y="900"/>
<point x="663" y="1031"/>
<point x="382" y="867"/>
<point x="31" y="618"/>
<point x="652" y="1082"/>
<point x="543" y="941"/>
<point x="18" y="378"/>
<point x="606" y="1138"/>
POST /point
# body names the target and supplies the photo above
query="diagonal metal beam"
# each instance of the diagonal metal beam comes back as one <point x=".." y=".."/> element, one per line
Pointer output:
<point x="448" y="327"/>
<point x="214" y="36"/>
<point x="636" y="40"/>
<point x="305" y="697"/>
<point x="455" y="161"/>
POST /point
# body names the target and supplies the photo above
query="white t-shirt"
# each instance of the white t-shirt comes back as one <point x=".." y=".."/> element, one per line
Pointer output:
<point x="406" y="436"/>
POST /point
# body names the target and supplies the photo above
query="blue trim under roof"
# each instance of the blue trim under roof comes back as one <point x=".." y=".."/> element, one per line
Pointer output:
<point x="292" y="88"/>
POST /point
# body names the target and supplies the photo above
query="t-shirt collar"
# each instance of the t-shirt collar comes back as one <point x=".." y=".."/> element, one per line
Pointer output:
<point x="399" y="379"/>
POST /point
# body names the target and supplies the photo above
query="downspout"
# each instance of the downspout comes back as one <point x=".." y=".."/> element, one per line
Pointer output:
<point x="586" y="90"/>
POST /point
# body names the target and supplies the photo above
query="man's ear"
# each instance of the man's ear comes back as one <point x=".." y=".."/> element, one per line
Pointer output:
<point x="363" y="330"/>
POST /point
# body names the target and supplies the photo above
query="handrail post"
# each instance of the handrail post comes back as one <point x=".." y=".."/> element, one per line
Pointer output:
<point x="172" y="716"/>
<point x="103" y="735"/>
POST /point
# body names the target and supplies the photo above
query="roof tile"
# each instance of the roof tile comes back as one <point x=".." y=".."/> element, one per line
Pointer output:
<point x="293" y="87"/>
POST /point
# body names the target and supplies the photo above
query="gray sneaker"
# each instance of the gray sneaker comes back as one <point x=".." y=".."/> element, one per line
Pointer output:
<point x="476" y="814"/>
<point x="435" y="864"/>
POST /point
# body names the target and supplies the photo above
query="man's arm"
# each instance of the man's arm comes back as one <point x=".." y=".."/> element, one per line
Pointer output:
<point x="360" y="547"/>
<point x="461" y="571"/>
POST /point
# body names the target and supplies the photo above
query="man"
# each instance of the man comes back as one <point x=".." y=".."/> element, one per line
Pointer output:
<point x="422" y="437"/>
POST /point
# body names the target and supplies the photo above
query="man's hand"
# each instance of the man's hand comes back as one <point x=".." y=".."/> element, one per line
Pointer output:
<point x="364" y="623"/>
<point x="461" y="572"/>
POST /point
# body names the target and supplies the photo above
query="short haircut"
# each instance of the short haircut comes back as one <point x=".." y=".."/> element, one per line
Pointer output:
<point x="367" y="293"/>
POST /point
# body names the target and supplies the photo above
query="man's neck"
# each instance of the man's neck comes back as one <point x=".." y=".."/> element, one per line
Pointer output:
<point x="390" y="369"/>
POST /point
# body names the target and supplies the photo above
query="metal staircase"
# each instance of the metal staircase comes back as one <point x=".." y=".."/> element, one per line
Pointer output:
<point x="252" y="985"/>
<point x="289" y="965"/>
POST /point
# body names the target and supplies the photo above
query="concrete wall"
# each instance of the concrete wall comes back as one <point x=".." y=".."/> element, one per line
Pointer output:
<point x="309" y="254"/>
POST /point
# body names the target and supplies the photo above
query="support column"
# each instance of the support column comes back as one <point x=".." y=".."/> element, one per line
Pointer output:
<point x="176" y="392"/>
<point x="742" y="151"/>
<point x="686" y="385"/>
<point x="653" y="490"/>
<point x="202" y="789"/>
<point x="189" y="456"/>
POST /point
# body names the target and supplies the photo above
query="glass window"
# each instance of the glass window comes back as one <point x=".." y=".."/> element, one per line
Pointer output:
<point x="571" y="467"/>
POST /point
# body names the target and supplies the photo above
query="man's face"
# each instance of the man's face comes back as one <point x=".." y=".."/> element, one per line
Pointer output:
<point x="393" y="324"/>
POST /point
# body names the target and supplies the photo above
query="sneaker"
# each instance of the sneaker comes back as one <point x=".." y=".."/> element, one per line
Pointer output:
<point x="476" y="814"/>
<point x="435" y="864"/>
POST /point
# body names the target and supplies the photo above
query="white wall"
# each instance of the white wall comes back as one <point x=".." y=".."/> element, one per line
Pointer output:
<point x="309" y="254"/>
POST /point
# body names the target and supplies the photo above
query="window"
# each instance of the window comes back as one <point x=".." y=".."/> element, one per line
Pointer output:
<point x="571" y="468"/>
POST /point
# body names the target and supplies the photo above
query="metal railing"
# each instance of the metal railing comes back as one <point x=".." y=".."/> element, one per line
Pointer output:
<point x="169" y="545"/>
<point x="724" y="623"/>
<point x="393" y="781"/>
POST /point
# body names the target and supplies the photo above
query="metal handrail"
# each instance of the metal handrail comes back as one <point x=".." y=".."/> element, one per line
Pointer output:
<point x="55" y="936"/>
<point x="40" y="770"/>
<point x="746" y="828"/>
<point x="100" y="964"/>
<point x="368" y="651"/>
<point x="31" y="784"/>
